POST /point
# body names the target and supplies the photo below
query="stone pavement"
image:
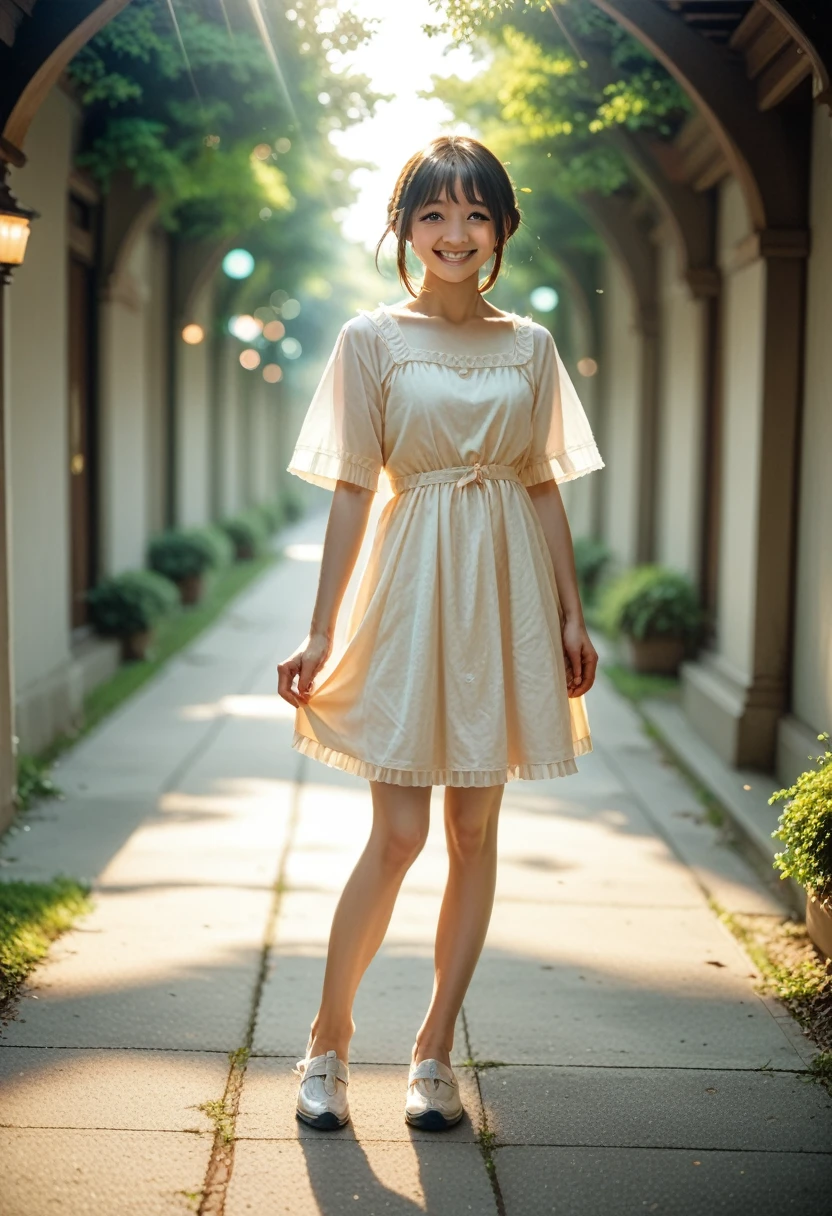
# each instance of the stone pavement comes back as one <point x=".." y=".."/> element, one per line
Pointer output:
<point x="624" y="1063"/>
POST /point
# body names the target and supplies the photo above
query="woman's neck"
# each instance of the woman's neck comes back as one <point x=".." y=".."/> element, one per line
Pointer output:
<point x="452" y="302"/>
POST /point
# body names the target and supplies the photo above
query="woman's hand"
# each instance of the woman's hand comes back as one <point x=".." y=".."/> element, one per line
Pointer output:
<point x="581" y="658"/>
<point x="305" y="663"/>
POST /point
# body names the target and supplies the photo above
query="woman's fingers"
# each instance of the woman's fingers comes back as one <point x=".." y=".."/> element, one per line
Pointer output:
<point x="286" y="673"/>
<point x="589" y="660"/>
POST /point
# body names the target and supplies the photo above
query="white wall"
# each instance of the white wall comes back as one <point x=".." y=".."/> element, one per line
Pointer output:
<point x="812" y="681"/>
<point x="742" y="363"/>
<point x="681" y="422"/>
<point x="37" y="305"/>
<point x="621" y="415"/>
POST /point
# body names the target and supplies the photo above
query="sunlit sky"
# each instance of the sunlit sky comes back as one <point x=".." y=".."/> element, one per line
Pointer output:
<point x="399" y="59"/>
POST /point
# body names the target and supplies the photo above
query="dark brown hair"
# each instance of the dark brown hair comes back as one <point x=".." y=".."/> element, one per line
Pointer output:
<point x="436" y="168"/>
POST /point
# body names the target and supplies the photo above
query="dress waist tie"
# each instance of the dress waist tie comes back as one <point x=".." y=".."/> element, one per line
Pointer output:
<point x="463" y="475"/>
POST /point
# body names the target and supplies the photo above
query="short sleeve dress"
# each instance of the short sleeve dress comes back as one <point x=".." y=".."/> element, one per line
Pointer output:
<point x="453" y="671"/>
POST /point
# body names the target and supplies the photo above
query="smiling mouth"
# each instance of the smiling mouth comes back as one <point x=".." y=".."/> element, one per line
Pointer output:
<point x="454" y="258"/>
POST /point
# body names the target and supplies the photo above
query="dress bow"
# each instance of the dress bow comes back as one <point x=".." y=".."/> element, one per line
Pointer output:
<point x="475" y="474"/>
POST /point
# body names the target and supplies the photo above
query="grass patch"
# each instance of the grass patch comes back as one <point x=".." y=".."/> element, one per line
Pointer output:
<point x="172" y="634"/>
<point x="34" y="781"/>
<point x="792" y="970"/>
<point x="33" y="914"/>
<point x="221" y="1116"/>
<point x="637" y="687"/>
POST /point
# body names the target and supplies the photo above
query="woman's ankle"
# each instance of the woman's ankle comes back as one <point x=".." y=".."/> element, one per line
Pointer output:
<point x="432" y="1047"/>
<point x="324" y="1037"/>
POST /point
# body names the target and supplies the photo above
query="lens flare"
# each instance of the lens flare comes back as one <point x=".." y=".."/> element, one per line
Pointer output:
<point x="193" y="334"/>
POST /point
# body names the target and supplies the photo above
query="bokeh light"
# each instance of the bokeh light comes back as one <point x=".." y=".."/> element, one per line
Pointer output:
<point x="282" y="145"/>
<point x="245" y="327"/>
<point x="544" y="299"/>
<point x="263" y="151"/>
<point x="193" y="334"/>
<point x="264" y="314"/>
<point x="238" y="263"/>
<point x="290" y="309"/>
<point x="274" y="331"/>
<point x="249" y="359"/>
<point x="587" y="367"/>
<point x="291" y="348"/>
<point x="272" y="373"/>
<point x="278" y="298"/>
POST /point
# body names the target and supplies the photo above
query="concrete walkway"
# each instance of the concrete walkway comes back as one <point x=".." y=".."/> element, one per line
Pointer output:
<point x="624" y="1062"/>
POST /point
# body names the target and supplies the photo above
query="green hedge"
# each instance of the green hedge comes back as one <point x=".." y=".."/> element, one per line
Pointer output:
<point x="591" y="560"/>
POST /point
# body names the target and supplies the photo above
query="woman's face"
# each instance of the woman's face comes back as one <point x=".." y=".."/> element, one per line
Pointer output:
<point x="453" y="240"/>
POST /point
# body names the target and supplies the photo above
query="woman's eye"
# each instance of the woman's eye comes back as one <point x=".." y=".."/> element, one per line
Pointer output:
<point x="480" y="216"/>
<point x="431" y="214"/>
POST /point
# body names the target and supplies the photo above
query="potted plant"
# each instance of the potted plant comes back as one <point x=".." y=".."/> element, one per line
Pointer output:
<point x="128" y="606"/>
<point x="248" y="534"/>
<point x="805" y="828"/>
<point x="185" y="555"/>
<point x="657" y="613"/>
<point x="591" y="560"/>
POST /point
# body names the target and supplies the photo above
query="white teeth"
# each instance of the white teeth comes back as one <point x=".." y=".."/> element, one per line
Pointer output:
<point x="454" y="257"/>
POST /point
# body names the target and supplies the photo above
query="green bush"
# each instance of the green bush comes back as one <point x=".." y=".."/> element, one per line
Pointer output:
<point x="651" y="602"/>
<point x="248" y="534"/>
<point x="131" y="602"/>
<point x="591" y="560"/>
<point x="271" y="514"/>
<point x="184" y="552"/>
<point x="805" y="828"/>
<point x="292" y="506"/>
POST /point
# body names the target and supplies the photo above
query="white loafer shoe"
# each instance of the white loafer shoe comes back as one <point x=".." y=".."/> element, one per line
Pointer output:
<point x="433" y="1101"/>
<point x="322" y="1093"/>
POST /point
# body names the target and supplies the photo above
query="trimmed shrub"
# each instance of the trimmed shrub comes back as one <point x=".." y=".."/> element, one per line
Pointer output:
<point x="248" y="534"/>
<point x="131" y="602"/>
<point x="805" y="828"/>
<point x="591" y="560"/>
<point x="651" y="602"/>
<point x="292" y="506"/>
<point x="271" y="514"/>
<point x="180" y="553"/>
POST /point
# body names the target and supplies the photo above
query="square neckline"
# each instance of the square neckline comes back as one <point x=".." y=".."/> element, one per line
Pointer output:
<point x="402" y="351"/>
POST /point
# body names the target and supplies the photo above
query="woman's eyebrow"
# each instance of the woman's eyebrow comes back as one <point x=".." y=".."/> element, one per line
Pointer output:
<point x="477" y="202"/>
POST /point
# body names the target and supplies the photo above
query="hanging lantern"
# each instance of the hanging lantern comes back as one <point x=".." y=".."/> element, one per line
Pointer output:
<point x="14" y="230"/>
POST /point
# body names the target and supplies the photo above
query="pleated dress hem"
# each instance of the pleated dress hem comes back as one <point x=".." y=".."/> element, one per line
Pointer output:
<point x="455" y="777"/>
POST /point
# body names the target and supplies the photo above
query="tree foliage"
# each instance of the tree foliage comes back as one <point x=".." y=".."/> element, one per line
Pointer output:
<point x="556" y="79"/>
<point x="210" y="115"/>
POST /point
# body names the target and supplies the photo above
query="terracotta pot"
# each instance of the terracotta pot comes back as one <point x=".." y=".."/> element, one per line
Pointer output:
<point x="819" y="924"/>
<point x="191" y="588"/>
<point x="655" y="656"/>
<point x="135" y="645"/>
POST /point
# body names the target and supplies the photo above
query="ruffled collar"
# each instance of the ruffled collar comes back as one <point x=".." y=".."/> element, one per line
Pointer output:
<point x="402" y="352"/>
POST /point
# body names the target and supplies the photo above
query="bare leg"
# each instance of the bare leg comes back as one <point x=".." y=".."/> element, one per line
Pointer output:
<point x="401" y="815"/>
<point x="471" y="817"/>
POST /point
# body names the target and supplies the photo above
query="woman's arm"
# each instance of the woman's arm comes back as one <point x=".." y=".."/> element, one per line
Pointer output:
<point x="345" y="530"/>
<point x="580" y="654"/>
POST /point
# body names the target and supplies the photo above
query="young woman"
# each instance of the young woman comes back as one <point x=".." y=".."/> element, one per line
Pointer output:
<point x="467" y="657"/>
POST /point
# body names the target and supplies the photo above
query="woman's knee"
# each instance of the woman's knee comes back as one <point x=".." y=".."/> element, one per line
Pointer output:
<point x="400" y="843"/>
<point x="471" y="827"/>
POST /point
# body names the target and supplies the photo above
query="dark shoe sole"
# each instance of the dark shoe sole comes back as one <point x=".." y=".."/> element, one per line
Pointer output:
<point x="432" y="1121"/>
<point x="327" y="1122"/>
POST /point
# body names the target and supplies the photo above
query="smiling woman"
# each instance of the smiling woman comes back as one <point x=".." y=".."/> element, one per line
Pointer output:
<point x="426" y="209"/>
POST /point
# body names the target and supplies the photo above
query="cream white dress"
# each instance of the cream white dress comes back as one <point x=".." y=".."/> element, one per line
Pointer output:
<point x="453" y="671"/>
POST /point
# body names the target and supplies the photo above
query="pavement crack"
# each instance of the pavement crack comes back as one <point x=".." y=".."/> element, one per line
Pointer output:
<point x="224" y="1112"/>
<point x="486" y="1138"/>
